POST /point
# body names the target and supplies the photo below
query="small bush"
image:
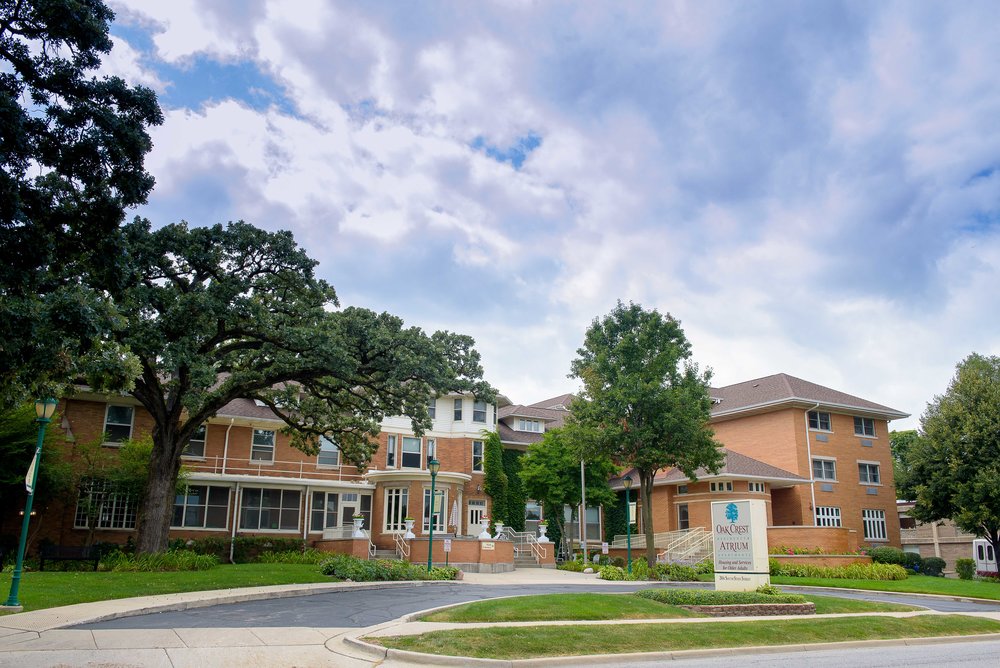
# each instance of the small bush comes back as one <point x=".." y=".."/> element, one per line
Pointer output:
<point x="705" y="568"/>
<point x="848" y="572"/>
<point x="912" y="561"/>
<point x="709" y="597"/>
<point x="309" y="556"/>
<point x="614" y="573"/>
<point x="574" y="566"/>
<point x="675" y="573"/>
<point x="933" y="566"/>
<point x="171" y="560"/>
<point x="965" y="568"/>
<point x="887" y="555"/>
<point x="346" y="567"/>
<point x="769" y="590"/>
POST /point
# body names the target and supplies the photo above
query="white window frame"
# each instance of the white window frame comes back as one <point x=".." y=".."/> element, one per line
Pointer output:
<point x="432" y="408"/>
<point x="477" y="460"/>
<point x="257" y="449"/>
<point x="873" y="520"/>
<point x="118" y="512"/>
<point x="828" y="516"/>
<point x="686" y="520"/>
<point x="330" y="446"/>
<point x="457" y="410"/>
<point x="203" y="430"/>
<point x="441" y="518"/>
<point x="131" y="424"/>
<point x="531" y="426"/>
<point x="322" y="510"/>
<point x="479" y="411"/>
<point x="475" y="514"/>
<point x="756" y="487"/>
<point x="825" y="460"/>
<point x="185" y="505"/>
<point x="403" y="452"/>
<point x="396" y="509"/>
<point x="721" y="486"/>
<point x="431" y="450"/>
<point x="867" y="466"/>
<point x="391" y="451"/>
<point x="819" y="420"/>
<point x="864" y="424"/>
<point x="682" y="489"/>
<point x="281" y="508"/>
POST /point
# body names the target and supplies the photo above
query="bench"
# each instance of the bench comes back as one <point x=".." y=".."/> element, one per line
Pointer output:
<point x="68" y="553"/>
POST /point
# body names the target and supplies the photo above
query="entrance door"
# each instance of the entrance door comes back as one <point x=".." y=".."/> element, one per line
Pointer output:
<point x="477" y="511"/>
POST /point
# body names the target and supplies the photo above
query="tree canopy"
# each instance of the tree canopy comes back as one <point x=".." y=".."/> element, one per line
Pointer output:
<point x="902" y="444"/>
<point x="72" y="147"/>
<point x="218" y="313"/>
<point x="645" y="404"/>
<point x="955" y="467"/>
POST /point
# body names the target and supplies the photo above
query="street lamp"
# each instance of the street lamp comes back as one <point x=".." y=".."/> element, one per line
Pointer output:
<point x="627" y="484"/>
<point x="434" y="466"/>
<point x="44" y="408"/>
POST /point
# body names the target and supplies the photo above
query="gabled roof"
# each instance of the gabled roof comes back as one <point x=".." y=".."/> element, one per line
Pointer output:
<point x="735" y="465"/>
<point x="560" y="403"/>
<point x="781" y="389"/>
<point x="552" y="412"/>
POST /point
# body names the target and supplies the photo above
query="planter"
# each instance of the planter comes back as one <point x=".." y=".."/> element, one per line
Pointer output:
<point x="359" y="525"/>
<point x="542" y="528"/>
<point x="485" y="533"/>
<point x="499" y="528"/>
<point x="409" y="535"/>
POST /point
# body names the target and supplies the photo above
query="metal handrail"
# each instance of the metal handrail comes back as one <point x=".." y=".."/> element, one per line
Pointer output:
<point x="402" y="547"/>
<point x="520" y="538"/>
<point x="371" y="545"/>
<point x="639" y="539"/>
<point x="693" y="543"/>
<point x="301" y="470"/>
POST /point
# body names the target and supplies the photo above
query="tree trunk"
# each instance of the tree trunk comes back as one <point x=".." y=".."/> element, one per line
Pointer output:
<point x="158" y="504"/>
<point x="646" y="503"/>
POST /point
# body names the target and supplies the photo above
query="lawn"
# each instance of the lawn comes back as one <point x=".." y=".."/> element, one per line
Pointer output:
<point x="919" y="584"/>
<point x="51" y="589"/>
<point x="577" y="607"/>
<point x="539" y="641"/>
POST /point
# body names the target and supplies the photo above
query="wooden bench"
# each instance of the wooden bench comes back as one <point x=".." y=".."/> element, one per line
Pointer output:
<point x="68" y="553"/>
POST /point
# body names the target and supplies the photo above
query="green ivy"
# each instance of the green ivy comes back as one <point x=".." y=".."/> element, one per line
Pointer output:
<point x="495" y="481"/>
<point x="615" y="518"/>
<point x="516" y="500"/>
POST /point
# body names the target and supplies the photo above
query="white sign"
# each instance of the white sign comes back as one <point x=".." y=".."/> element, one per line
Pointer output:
<point x="604" y="548"/>
<point x="739" y="532"/>
<point x="447" y="544"/>
<point x="488" y="545"/>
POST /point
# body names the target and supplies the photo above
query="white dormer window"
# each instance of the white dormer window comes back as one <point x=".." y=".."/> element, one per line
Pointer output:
<point x="529" y="425"/>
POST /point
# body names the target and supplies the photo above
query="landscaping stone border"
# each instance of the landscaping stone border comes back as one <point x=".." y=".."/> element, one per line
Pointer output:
<point x="754" y="609"/>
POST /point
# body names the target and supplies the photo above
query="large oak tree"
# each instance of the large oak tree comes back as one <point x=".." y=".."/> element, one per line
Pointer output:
<point x="645" y="404"/>
<point x="217" y="313"/>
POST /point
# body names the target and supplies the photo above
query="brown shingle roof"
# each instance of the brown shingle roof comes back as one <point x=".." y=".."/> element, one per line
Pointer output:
<point x="735" y="465"/>
<point x="508" y="435"/>
<point x="561" y="402"/>
<point x="784" y="389"/>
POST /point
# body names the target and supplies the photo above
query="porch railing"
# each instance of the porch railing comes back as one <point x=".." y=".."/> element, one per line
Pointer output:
<point x="300" y="470"/>
<point x="695" y="546"/>
<point x="525" y="542"/>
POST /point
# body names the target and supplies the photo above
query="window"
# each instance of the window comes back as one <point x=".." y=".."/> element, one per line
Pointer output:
<point x="683" y="522"/>
<point x="723" y="486"/>
<point x="479" y="411"/>
<point x="396" y="503"/>
<point x="827" y="516"/>
<point x="201" y="507"/>
<point x="439" y="503"/>
<point x="532" y="512"/>
<point x="324" y="511"/>
<point x="824" y="469"/>
<point x="819" y="420"/>
<point x="270" y="509"/>
<point x="864" y="426"/>
<point x="477" y="456"/>
<point x="196" y="444"/>
<point x="390" y="451"/>
<point x="907" y="522"/>
<point x="458" y="410"/>
<point x="757" y="487"/>
<point x="431" y="451"/>
<point x="682" y="489"/>
<point x="529" y="425"/>
<point x="118" y="423"/>
<point x="99" y="504"/>
<point x="874" y="523"/>
<point x="868" y="474"/>
<point x="329" y="453"/>
<point x="432" y="408"/>
<point x="262" y="449"/>
<point x="477" y="511"/>
<point x="411" y="453"/>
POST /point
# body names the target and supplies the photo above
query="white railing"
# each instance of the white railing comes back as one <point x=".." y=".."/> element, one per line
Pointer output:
<point x="371" y="545"/>
<point x="301" y="470"/>
<point x="525" y="541"/>
<point x="661" y="540"/>
<point x="694" y="546"/>
<point x="402" y="547"/>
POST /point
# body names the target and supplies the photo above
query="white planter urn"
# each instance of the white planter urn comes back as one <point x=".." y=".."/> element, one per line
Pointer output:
<point x="499" y="528"/>
<point x="542" y="528"/>
<point x="485" y="534"/>
<point x="409" y="535"/>
<point x="359" y="524"/>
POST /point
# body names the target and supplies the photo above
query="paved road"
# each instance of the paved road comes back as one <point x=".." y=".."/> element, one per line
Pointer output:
<point x="356" y="609"/>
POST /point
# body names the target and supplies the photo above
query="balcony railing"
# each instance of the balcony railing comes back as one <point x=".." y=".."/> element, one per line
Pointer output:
<point x="301" y="470"/>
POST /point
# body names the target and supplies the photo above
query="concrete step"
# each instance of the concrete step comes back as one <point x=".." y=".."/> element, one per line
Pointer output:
<point x="391" y="555"/>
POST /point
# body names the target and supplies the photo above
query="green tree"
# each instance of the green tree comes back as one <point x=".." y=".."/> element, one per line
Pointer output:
<point x="18" y="438"/>
<point x="550" y="473"/>
<point x="495" y="481"/>
<point x="644" y="402"/>
<point x="901" y="444"/>
<point x="515" y="501"/>
<point x="71" y="162"/>
<point x="218" y="313"/>
<point x="955" y="468"/>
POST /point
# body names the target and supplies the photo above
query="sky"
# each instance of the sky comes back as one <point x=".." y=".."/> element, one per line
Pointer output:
<point x="809" y="187"/>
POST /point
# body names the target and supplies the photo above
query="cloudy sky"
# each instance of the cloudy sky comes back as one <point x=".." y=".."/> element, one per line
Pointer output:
<point x="810" y="187"/>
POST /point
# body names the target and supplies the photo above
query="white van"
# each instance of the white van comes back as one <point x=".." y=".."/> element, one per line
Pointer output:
<point x="986" y="559"/>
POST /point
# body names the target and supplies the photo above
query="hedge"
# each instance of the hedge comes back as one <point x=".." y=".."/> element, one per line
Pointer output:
<point x="710" y="597"/>
<point x="346" y="567"/>
<point x="848" y="572"/>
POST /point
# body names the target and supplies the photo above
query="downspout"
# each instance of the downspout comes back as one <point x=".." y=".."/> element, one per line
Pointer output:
<point x="225" y="448"/>
<point x="305" y="524"/>
<point x="812" y="479"/>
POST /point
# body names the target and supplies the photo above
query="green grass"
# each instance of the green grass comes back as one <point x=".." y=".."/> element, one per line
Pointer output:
<point x="51" y="589"/>
<point x="559" y="607"/>
<point x="539" y="641"/>
<point x="919" y="584"/>
<point x="831" y="605"/>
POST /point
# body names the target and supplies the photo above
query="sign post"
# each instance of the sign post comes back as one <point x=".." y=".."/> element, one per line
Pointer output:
<point x="739" y="531"/>
<point x="447" y="550"/>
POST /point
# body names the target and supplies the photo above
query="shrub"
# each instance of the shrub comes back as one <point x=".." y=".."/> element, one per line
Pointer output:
<point x="576" y="566"/>
<point x="614" y="573"/>
<point x="887" y="555"/>
<point x="675" y="573"/>
<point x="171" y="560"/>
<point x="770" y="590"/>
<point x="705" y="568"/>
<point x="346" y="567"/>
<point x="710" y="597"/>
<point x="309" y="556"/>
<point x="912" y="561"/>
<point x="933" y="566"/>
<point x="848" y="572"/>
<point x="965" y="568"/>
<point x="617" y="561"/>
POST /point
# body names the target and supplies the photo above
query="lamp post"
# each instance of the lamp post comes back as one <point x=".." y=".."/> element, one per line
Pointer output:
<point x="434" y="466"/>
<point x="44" y="408"/>
<point x="627" y="484"/>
